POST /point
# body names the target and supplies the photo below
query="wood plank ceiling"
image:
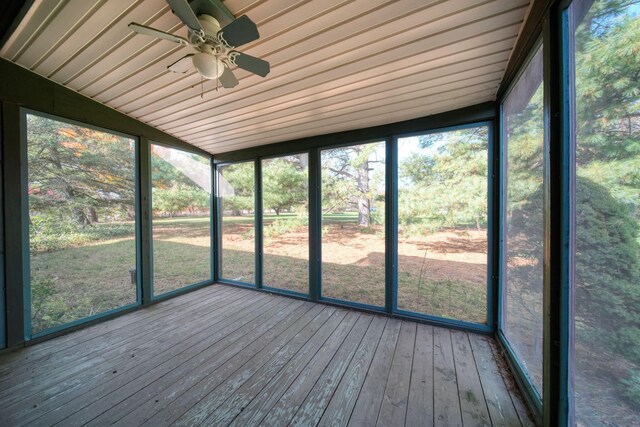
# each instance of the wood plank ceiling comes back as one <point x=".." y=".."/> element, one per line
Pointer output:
<point x="335" y="64"/>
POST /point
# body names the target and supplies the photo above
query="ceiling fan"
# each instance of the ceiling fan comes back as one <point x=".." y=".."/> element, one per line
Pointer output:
<point x="215" y="46"/>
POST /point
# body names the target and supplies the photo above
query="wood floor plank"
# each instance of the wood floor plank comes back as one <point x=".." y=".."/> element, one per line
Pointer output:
<point x="231" y="398"/>
<point x="222" y="365"/>
<point x="290" y="401"/>
<point x="420" y="405"/>
<point x="472" y="400"/>
<point x="393" y="410"/>
<point x="446" y="403"/>
<point x="501" y="408"/>
<point x="71" y="361"/>
<point x="53" y="391"/>
<point x="344" y="399"/>
<point x="204" y="381"/>
<point x="193" y="343"/>
<point x="77" y="386"/>
<point x="261" y="401"/>
<point x="223" y="355"/>
<point x="313" y="407"/>
<point x="367" y="408"/>
<point x="194" y="352"/>
<point x="83" y="338"/>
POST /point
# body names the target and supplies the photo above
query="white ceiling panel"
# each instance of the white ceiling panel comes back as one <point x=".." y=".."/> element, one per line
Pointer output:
<point x="335" y="64"/>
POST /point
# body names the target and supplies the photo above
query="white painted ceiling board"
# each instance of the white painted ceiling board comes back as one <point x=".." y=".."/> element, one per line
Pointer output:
<point x="352" y="83"/>
<point x="335" y="64"/>
<point x="192" y="108"/>
<point x="384" y="90"/>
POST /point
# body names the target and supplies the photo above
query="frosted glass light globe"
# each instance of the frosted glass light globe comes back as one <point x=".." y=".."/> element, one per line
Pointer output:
<point x="208" y="65"/>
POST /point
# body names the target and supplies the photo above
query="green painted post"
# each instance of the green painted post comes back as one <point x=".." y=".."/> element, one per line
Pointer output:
<point x="315" y="226"/>
<point x="391" y="225"/>
<point x="259" y="259"/>
<point x="145" y="212"/>
<point x="15" y="180"/>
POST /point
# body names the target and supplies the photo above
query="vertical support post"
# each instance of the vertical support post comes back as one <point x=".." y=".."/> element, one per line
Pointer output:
<point x="3" y="324"/>
<point x="493" y="226"/>
<point x="391" y="224"/>
<point x="259" y="259"/>
<point x="557" y="219"/>
<point x="217" y="211"/>
<point x="145" y="212"/>
<point x="315" y="226"/>
<point x="213" y="232"/>
<point x="15" y="180"/>
<point x="499" y="215"/>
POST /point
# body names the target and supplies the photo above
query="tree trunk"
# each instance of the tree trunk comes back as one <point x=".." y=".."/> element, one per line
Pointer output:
<point x="79" y="216"/>
<point x="364" y="203"/>
<point x="277" y="211"/>
<point x="93" y="215"/>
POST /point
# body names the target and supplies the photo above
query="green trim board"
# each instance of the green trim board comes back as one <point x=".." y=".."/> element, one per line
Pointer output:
<point x="315" y="225"/>
<point x="3" y="322"/>
<point x="464" y="116"/>
<point x="144" y="223"/>
<point x="532" y="396"/>
<point x="558" y="252"/>
<point x="14" y="182"/>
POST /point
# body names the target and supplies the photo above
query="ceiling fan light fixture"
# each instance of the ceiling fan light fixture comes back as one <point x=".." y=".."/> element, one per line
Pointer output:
<point x="208" y="65"/>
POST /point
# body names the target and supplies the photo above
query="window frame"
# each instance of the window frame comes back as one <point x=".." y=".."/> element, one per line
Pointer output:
<point x="257" y="274"/>
<point x="491" y="290"/>
<point x="261" y="252"/>
<point x="201" y="283"/>
<point x="26" y="262"/>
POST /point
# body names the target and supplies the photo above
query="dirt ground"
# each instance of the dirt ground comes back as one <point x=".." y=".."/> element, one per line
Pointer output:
<point x="442" y="274"/>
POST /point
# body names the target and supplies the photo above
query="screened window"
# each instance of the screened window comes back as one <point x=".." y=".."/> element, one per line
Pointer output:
<point x="442" y="224"/>
<point x="523" y="153"/>
<point x="353" y="204"/>
<point x="285" y="225"/>
<point x="82" y="222"/>
<point x="181" y="197"/>
<point x="236" y="204"/>
<point x="606" y="289"/>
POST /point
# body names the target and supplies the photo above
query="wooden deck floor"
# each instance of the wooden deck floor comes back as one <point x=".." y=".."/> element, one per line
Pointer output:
<point x="228" y="356"/>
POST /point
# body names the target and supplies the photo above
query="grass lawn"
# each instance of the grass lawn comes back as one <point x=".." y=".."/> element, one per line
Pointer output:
<point x="443" y="274"/>
<point x="80" y="281"/>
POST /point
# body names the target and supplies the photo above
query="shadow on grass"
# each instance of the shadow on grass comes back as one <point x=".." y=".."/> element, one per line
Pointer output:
<point x="79" y="282"/>
<point x="364" y="282"/>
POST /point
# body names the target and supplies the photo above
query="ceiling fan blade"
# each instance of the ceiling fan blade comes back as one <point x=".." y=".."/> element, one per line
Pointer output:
<point x="250" y="63"/>
<point x="183" y="11"/>
<point x="227" y="79"/>
<point x="241" y="31"/>
<point x="148" y="31"/>
<point x="182" y="65"/>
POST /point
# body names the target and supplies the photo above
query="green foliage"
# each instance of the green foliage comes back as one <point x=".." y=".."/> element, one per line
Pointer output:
<point x="179" y="198"/>
<point x="46" y="310"/>
<point x="76" y="170"/>
<point x="632" y="387"/>
<point x="444" y="182"/>
<point x="607" y="265"/>
<point x="51" y="231"/>
<point x="284" y="184"/>
<point x="282" y="226"/>
<point x="352" y="180"/>
<point x="608" y="90"/>
<point x="237" y="187"/>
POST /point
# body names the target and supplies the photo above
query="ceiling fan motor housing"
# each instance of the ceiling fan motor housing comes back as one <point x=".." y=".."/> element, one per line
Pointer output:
<point x="210" y="26"/>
